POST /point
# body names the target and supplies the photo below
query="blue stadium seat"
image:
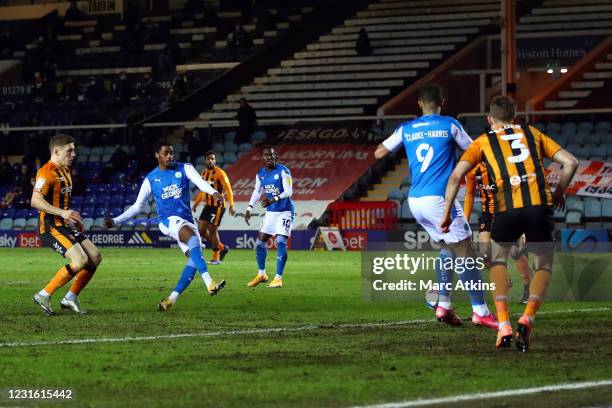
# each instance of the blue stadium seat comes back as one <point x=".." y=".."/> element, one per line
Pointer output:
<point x="230" y="146"/>
<point x="593" y="139"/>
<point x="230" y="136"/>
<point x="109" y="150"/>
<point x="553" y="127"/>
<point x="574" y="203"/>
<point x="258" y="137"/>
<point x="94" y="158"/>
<point x="573" y="217"/>
<point x="6" y="224"/>
<point x="396" y="194"/>
<point x="88" y="222"/>
<point x="21" y="213"/>
<point x="8" y="213"/>
<point x="592" y="208"/>
<point x="603" y="125"/>
<point x="245" y="147"/>
<point x="97" y="151"/>
<point x="540" y="126"/>
<point x="561" y="139"/>
<point x="606" y="208"/>
<point x="106" y="158"/>
<point x="218" y="148"/>
<point x="229" y="157"/>
<point x="31" y="224"/>
<point x="581" y="137"/>
<point x="585" y="127"/>
<point x="406" y="181"/>
<point x="83" y="150"/>
<point x="569" y="128"/>
<point x="406" y="214"/>
<point x="19" y="223"/>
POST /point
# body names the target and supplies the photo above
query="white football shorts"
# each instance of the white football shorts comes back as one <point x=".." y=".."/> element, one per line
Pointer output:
<point x="174" y="226"/>
<point x="428" y="213"/>
<point x="277" y="223"/>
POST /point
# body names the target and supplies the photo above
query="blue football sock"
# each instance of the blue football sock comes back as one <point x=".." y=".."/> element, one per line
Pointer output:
<point x="281" y="259"/>
<point x="444" y="273"/>
<point x="261" y="252"/>
<point x="195" y="254"/>
<point x="472" y="276"/>
<point x="186" y="277"/>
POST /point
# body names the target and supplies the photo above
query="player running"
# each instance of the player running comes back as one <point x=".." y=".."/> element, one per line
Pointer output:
<point x="274" y="181"/>
<point x="430" y="142"/>
<point x="213" y="211"/>
<point x="56" y="227"/>
<point x="513" y="157"/>
<point x="169" y="185"/>
<point x="479" y="177"/>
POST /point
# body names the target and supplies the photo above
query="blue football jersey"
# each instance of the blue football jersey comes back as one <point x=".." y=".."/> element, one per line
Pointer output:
<point x="170" y="188"/>
<point x="271" y="182"/>
<point x="430" y="143"/>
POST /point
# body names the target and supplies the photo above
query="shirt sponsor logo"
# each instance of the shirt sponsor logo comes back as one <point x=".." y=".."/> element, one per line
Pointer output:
<point x="172" y="191"/>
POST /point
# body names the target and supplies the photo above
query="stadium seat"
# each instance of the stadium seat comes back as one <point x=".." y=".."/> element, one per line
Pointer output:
<point x="230" y="146"/>
<point x="592" y="208"/>
<point x="218" y="148"/>
<point x="569" y="128"/>
<point x="540" y="126"/>
<point x="106" y="158"/>
<point x="574" y="203"/>
<point x="83" y="150"/>
<point x="406" y="214"/>
<point x="108" y="150"/>
<point x="593" y="139"/>
<point x="19" y="223"/>
<point x="581" y="137"/>
<point x="97" y="151"/>
<point x="258" y="137"/>
<point x="244" y="147"/>
<point x="406" y="181"/>
<point x="6" y="224"/>
<point x="585" y="127"/>
<point x="88" y="223"/>
<point x="573" y="217"/>
<point x="31" y="224"/>
<point x="606" y="209"/>
<point x="94" y="158"/>
<point x="561" y="139"/>
<point x="230" y="136"/>
<point x="559" y="215"/>
<point x="229" y="157"/>
<point x="396" y="194"/>
<point x="553" y="127"/>
<point x="603" y="125"/>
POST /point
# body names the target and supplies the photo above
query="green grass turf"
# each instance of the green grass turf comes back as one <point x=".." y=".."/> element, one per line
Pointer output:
<point x="324" y="366"/>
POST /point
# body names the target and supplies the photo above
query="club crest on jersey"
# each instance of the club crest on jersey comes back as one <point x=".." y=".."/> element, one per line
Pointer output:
<point x="276" y="177"/>
<point x="178" y="174"/>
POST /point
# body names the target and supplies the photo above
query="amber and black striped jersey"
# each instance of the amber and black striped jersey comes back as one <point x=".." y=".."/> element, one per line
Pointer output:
<point x="55" y="184"/>
<point x="479" y="177"/>
<point x="218" y="180"/>
<point x="512" y="156"/>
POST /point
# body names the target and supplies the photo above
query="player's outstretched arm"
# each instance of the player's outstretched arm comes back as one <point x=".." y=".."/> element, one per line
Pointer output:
<point x="389" y="145"/>
<point x="143" y="197"/>
<point x="193" y="176"/>
<point x="254" y="197"/>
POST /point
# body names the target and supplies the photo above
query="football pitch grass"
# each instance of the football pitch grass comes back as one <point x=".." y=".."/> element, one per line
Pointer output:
<point x="313" y="343"/>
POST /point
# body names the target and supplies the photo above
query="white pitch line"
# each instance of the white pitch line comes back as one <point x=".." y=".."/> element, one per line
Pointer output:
<point x="242" y="332"/>
<point x="489" y="395"/>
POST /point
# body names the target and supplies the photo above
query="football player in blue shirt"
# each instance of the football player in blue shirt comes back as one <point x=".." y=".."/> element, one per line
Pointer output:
<point x="430" y="142"/>
<point x="274" y="181"/>
<point x="169" y="186"/>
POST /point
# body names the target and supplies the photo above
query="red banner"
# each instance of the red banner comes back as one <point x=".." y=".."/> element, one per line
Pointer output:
<point x="319" y="172"/>
<point x="593" y="178"/>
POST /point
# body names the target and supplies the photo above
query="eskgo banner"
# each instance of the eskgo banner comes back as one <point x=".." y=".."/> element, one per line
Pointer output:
<point x="329" y="133"/>
<point x="592" y="179"/>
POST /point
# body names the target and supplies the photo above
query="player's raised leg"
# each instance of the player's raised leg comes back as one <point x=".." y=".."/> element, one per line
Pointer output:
<point x="82" y="278"/>
<point x="186" y="277"/>
<point x="192" y="240"/>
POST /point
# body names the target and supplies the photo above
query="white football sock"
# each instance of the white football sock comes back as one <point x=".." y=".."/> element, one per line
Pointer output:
<point x="261" y="272"/>
<point x="278" y="276"/>
<point x="173" y="296"/>
<point x="481" y="310"/>
<point x="44" y="293"/>
<point x="71" y="296"/>
<point x="445" y="305"/>
<point x="207" y="279"/>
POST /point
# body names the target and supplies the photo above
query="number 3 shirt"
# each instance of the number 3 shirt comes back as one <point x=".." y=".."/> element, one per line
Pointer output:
<point x="430" y="142"/>
<point x="513" y="155"/>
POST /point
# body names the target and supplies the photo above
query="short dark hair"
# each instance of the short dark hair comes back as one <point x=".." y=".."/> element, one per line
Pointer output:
<point x="502" y="108"/>
<point x="60" y="140"/>
<point x="268" y="147"/>
<point x="161" y="143"/>
<point x="209" y="153"/>
<point x="431" y="93"/>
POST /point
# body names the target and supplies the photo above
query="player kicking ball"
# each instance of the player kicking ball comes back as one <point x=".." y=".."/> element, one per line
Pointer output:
<point x="169" y="185"/>
<point x="273" y="180"/>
